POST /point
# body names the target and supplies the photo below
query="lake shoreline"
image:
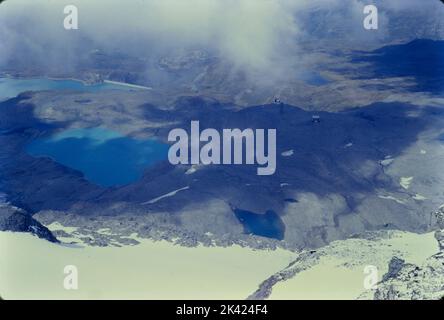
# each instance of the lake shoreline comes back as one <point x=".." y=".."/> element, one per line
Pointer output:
<point x="85" y="83"/>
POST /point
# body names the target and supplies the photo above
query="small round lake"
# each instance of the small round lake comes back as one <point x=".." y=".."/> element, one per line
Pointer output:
<point x="313" y="78"/>
<point x="267" y="225"/>
<point x="105" y="157"/>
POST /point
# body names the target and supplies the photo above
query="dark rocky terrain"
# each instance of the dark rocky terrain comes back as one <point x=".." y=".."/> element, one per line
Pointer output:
<point x="343" y="177"/>
<point x="408" y="281"/>
<point x="17" y="220"/>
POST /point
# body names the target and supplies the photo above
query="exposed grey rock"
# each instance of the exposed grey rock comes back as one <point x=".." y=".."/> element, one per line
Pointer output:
<point x="414" y="282"/>
<point x="406" y="281"/>
<point x="439" y="214"/>
<point x="304" y="261"/>
<point x="439" y="235"/>
<point x="16" y="220"/>
<point x="390" y="294"/>
<point x="119" y="231"/>
<point x="395" y="266"/>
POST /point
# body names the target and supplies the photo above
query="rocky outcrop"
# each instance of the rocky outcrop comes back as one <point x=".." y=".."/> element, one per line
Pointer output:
<point x="304" y="261"/>
<point x="439" y="235"/>
<point x="416" y="282"/>
<point x="424" y="282"/>
<point x="395" y="267"/>
<point x="336" y="270"/>
<point x="17" y="220"/>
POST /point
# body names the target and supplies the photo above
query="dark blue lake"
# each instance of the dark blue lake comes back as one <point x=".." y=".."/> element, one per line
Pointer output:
<point x="267" y="225"/>
<point x="105" y="157"/>
<point x="313" y="78"/>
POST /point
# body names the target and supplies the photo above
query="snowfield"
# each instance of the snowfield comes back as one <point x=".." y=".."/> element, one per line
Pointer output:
<point x="31" y="268"/>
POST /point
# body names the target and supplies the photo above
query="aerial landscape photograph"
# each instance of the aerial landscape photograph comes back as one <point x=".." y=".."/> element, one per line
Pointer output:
<point x="222" y="150"/>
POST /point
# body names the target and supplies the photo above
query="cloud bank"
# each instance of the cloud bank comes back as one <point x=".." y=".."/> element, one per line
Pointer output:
<point x="253" y="35"/>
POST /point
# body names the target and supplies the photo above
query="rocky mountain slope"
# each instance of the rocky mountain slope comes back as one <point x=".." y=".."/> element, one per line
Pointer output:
<point x="362" y="177"/>
<point x="408" y="267"/>
<point x="409" y="281"/>
<point x="17" y="220"/>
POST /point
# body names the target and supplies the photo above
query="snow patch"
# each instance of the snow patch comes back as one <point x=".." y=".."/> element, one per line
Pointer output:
<point x="287" y="153"/>
<point x="405" y="182"/>
<point x="170" y="194"/>
<point x="387" y="162"/>
<point x="191" y="170"/>
<point x="392" y="198"/>
<point x="419" y="197"/>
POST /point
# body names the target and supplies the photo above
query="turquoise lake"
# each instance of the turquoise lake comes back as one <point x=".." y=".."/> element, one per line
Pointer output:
<point x="10" y="87"/>
<point x="105" y="157"/>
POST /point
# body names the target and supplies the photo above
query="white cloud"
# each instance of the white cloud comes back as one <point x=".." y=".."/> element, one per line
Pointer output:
<point x="257" y="35"/>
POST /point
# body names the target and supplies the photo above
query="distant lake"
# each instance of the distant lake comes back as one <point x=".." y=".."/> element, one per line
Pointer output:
<point x="267" y="225"/>
<point x="10" y="87"/>
<point x="313" y="78"/>
<point x="105" y="157"/>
